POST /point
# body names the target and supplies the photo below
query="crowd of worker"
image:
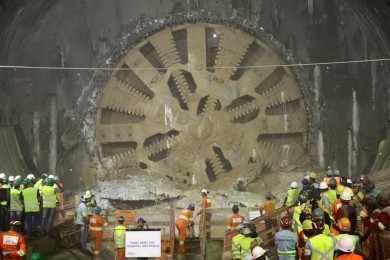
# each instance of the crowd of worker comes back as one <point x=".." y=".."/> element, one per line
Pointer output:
<point x="27" y="209"/>
<point x="323" y="218"/>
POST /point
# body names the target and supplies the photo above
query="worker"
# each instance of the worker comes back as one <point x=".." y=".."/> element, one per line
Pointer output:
<point x="312" y="177"/>
<point x="16" y="203"/>
<point x="183" y="223"/>
<point x="292" y="195"/>
<point x="267" y="209"/>
<point x="306" y="233"/>
<point x="205" y="204"/>
<point x="120" y="238"/>
<point x="90" y="201"/>
<point x="96" y="224"/>
<point x="235" y="219"/>
<point x="369" y="188"/>
<point x="345" y="249"/>
<point x="298" y="210"/>
<point x="331" y="193"/>
<point x="142" y="224"/>
<point x="12" y="243"/>
<point x="4" y="202"/>
<point x="319" y="246"/>
<point x="49" y="203"/>
<point x="329" y="174"/>
<point x="324" y="202"/>
<point x="344" y="229"/>
<point x="244" y="241"/>
<point x="11" y="180"/>
<point x="82" y="221"/>
<point x="337" y="177"/>
<point x="346" y="210"/>
<point x="30" y="197"/>
<point x="286" y="241"/>
<point x="258" y="253"/>
<point x="322" y="216"/>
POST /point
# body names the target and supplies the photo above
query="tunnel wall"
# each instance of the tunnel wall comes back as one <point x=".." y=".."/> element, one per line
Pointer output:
<point x="86" y="33"/>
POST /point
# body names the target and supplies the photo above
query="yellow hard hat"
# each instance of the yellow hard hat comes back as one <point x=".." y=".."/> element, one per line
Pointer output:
<point x="344" y="224"/>
<point x="313" y="175"/>
<point x="307" y="224"/>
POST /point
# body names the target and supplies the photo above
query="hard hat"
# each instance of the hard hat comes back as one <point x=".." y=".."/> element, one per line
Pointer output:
<point x="285" y="221"/>
<point x="30" y="176"/>
<point x="313" y="175"/>
<point x="294" y="185"/>
<point x="18" y="182"/>
<point x="318" y="214"/>
<point x="88" y="194"/>
<point x="307" y="224"/>
<point x="27" y="182"/>
<point x="11" y="179"/>
<point x="49" y="181"/>
<point x="191" y="206"/>
<point x="17" y="177"/>
<point x="344" y="224"/>
<point x="316" y="185"/>
<point x="346" y="196"/>
<point x="337" y="172"/>
<point x="141" y="219"/>
<point x="15" y="223"/>
<point x="97" y="210"/>
<point x="44" y="175"/>
<point x="258" y="251"/>
<point x="323" y="185"/>
<point x="51" y="176"/>
<point x="346" y="244"/>
<point x="3" y="176"/>
<point x="204" y="191"/>
<point x="349" y="181"/>
<point x="121" y="219"/>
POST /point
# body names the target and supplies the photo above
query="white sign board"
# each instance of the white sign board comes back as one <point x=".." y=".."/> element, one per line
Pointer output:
<point x="254" y="214"/>
<point x="143" y="243"/>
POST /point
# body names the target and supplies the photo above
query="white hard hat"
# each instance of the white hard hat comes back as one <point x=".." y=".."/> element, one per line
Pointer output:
<point x="258" y="251"/>
<point x="51" y="176"/>
<point x="30" y="176"/>
<point x="204" y="191"/>
<point x="17" y="177"/>
<point x="323" y="185"/>
<point x="349" y="181"/>
<point x="11" y="178"/>
<point x="346" y="244"/>
<point x="88" y="194"/>
<point x="294" y="185"/>
<point x="346" y="195"/>
<point x="3" y="176"/>
<point x="336" y="172"/>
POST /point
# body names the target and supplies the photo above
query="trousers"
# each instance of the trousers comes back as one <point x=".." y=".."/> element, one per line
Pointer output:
<point x="47" y="220"/>
<point x="4" y="218"/>
<point x="30" y="222"/>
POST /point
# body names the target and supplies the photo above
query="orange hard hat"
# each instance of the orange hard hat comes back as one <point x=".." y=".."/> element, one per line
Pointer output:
<point x="344" y="224"/>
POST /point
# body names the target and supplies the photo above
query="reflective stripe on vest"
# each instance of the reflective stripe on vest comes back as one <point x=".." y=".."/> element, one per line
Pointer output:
<point x="95" y="228"/>
<point x="30" y="199"/>
<point x="326" y="244"/>
<point x="15" y="202"/>
<point x="183" y="217"/>
<point x="49" y="197"/>
<point x="290" y="253"/>
<point x="120" y="236"/>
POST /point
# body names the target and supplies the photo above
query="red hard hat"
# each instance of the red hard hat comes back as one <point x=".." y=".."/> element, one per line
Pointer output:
<point x="285" y="221"/>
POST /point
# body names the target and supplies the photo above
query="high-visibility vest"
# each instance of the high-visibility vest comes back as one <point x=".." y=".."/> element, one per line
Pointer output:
<point x="322" y="247"/>
<point x="332" y="196"/>
<point x="120" y="236"/>
<point x="49" y="197"/>
<point x="292" y="195"/>
<point x="15" y="202"/>
<point x="241" y="246"/>
<point x="30" y="199"/>
<point x="38" y="184"/>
